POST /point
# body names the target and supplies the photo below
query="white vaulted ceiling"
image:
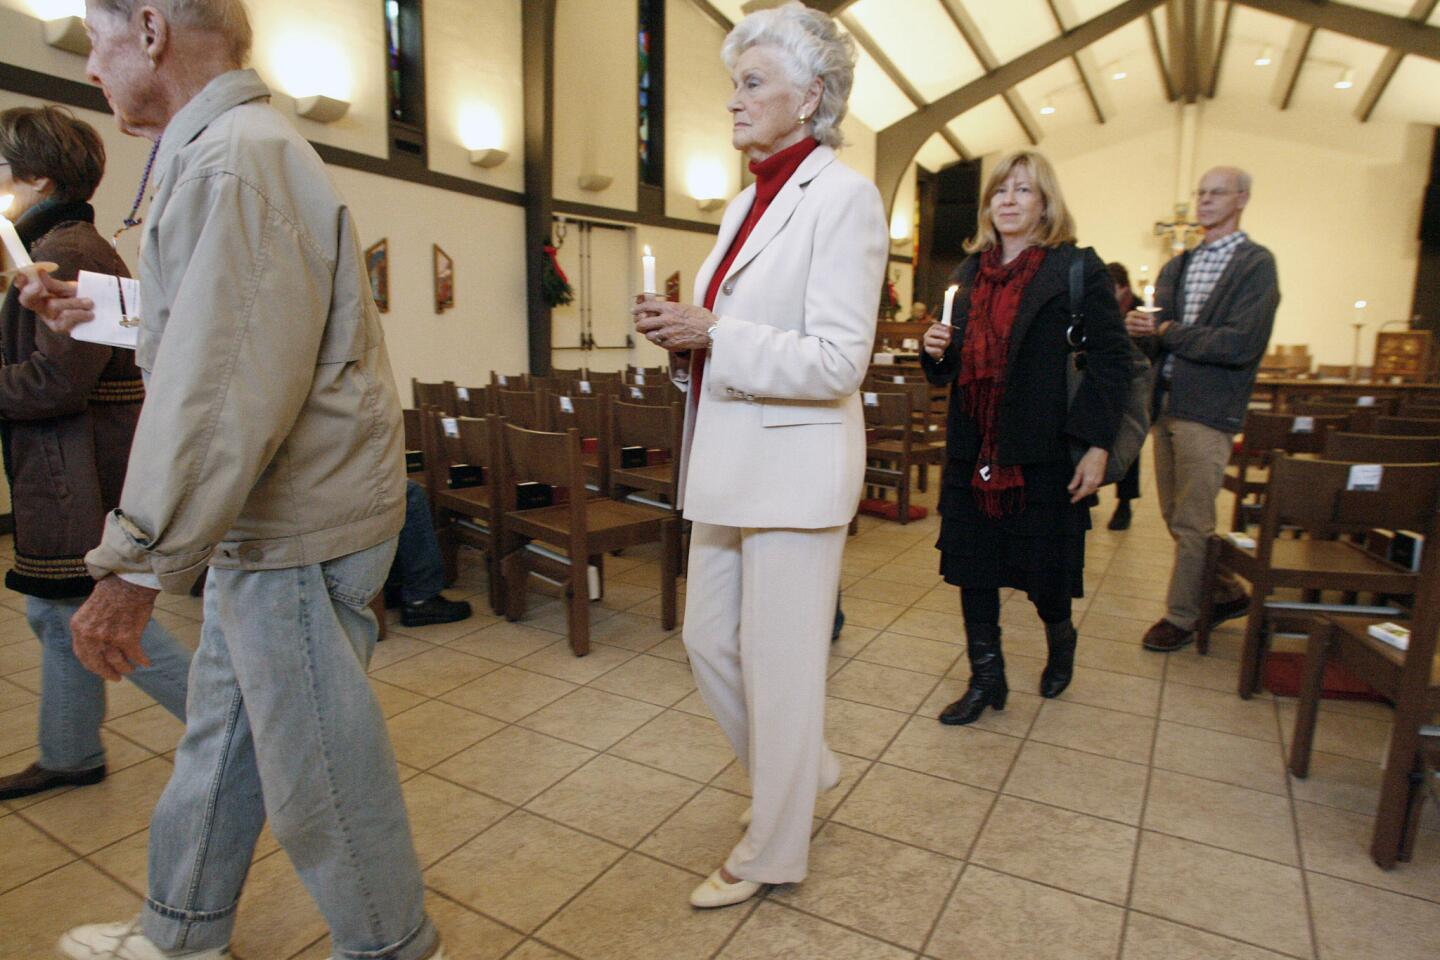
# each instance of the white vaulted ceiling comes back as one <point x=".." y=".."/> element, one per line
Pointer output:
<point x="914" y="52"/>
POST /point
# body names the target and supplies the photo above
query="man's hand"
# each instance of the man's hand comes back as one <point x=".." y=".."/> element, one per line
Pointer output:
<point x="106" y="629"/>
<point x="53" y="301"/>
<point x="1139" y="323"/>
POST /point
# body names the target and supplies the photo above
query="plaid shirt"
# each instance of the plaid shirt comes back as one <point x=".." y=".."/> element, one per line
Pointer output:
<point x="1207" y="264"/>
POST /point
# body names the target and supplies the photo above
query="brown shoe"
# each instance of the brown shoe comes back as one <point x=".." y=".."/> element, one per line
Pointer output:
<point x="1165" y="637"/>
<point x="1230" y="609"/>
<point x="36" y="779"/>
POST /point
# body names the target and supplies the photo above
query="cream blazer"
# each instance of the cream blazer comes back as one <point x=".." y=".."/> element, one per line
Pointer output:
<point x="777" y="437"/>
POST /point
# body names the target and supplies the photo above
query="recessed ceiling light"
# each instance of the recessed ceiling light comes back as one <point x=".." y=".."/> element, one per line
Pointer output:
<point x="1347" y="79"/>
<point x="1119" y="75"/>
<point x="1047" y="109"/>
<point x="1267" y="57"/>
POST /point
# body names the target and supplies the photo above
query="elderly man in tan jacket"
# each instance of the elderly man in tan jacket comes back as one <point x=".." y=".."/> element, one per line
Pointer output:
<point x="269" y="449"/>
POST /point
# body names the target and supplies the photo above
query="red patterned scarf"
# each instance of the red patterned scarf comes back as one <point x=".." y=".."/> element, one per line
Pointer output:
<point x="994" y="302"/>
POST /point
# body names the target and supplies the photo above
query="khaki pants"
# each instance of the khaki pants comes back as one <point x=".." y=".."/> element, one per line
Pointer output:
<point x="1190" y="461"/>
<point x="758" y="615"/>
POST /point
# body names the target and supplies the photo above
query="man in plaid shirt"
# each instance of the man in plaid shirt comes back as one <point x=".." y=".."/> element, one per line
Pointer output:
<point x="1216" y="309"/>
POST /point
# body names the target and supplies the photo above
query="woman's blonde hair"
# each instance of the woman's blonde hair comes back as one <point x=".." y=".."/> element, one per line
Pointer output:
<point x="1056" y="225"/>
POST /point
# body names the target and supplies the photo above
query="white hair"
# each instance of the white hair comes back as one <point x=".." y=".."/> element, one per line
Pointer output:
<point x="225" y="17"/>
<point x="814" y="48"/>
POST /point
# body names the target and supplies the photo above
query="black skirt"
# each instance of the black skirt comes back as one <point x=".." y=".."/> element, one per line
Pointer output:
<point x="1039" y="548"/>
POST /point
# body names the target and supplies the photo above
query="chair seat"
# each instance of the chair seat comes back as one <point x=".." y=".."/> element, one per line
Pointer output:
<point x="1357" y="630"/>
<point x="1321" y="565"/>
<point x="464" y="499"/>
<point x="610" y="524"/>
<point x="659" y="477"/>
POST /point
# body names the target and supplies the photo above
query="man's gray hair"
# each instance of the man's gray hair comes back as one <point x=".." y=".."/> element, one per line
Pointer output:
<point x="224" y="17"/>
<point x="813" y="47"/>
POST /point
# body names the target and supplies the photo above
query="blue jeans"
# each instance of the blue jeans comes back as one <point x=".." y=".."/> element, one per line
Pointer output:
<point x="283" y="723"/>
<point x="72" y="699"/>
<point x="418" y="569"/>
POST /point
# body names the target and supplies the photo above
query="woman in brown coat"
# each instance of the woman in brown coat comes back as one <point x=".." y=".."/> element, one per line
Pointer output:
<point x="67" y="414"/>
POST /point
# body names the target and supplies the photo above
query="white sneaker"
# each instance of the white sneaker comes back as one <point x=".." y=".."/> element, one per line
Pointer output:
<point x="123" y="941"/>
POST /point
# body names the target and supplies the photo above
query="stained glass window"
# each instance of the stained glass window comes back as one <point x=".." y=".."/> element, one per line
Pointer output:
<point x="651" y="64"/>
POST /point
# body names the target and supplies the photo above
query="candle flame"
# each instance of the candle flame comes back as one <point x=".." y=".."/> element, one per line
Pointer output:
<point x="647" y="250"/>
<point x="952" y="287"/>
<point x="1361" y="304"/>
<point x="6" y="201"/>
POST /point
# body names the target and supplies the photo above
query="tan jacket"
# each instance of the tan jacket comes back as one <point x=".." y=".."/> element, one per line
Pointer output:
<point x="271" y="432"/>
<point x="777" y="438"/>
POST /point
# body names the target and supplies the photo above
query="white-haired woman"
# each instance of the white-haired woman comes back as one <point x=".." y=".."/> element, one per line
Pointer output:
<point x="772" y="353"/>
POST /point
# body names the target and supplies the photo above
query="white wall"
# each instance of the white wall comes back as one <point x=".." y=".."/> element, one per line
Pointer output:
<point x="596" y="100"/>
<point x="698" y="154"/>
<point x="1338" y="204"/>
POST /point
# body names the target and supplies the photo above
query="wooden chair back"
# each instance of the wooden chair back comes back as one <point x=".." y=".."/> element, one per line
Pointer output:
<point x="1408" y="426"/>
<point x="651" y="426"/>
<point x="523" y="408"/>
<point x="1315" y="496"/>
<point x="1422" y="405"/>
<point x="605" y="376"/>
<point x="473" y="401"/>
<point x="887" y="411"/>
<point x="645" y="376"/>
<point x="539" y="456"/>
<point x="413" y="436"/>
<point x="1380" y="448"/>
<point x="509" y="381"/>
<point x="1290" y="433"/>
<point x="662" y="395"/>
<point x="440" y="395"/>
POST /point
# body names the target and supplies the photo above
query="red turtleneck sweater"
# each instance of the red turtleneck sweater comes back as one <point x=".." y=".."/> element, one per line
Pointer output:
<point x="771" y="174"/>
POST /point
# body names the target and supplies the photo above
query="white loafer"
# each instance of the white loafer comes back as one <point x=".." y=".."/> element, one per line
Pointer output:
<point x="123" y="941"/>
<point x="715" y="892"/>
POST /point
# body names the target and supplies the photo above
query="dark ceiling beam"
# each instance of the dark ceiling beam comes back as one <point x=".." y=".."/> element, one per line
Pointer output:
<point x="1158" y="52"/>
<point x="1212" y="83"/>
<point x="888" y="67"/>
<point x="1398" y="33"/>
<point x="975" y="40"/>
<point x="1291" y="65"/>
<point x="1419" y="13"/>
<point x="713" y="13"/>
<point x="898" y="143"/>
<point x="1183" y="31"/>
<point x="1085" y="80"/>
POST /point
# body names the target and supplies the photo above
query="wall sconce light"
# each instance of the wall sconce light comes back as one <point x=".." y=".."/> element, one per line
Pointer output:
<point x="68" y="34"/>
<point x="1347" y="79"/>
<point x="320" y="108"/>
<point x="594" y="182"/>
<point x="1047" y="109"/>
<point x="1267" y="57"/>
<point x="490" y="157"/>
<point x="710" y="204"/>
<point x="707" y="179"/>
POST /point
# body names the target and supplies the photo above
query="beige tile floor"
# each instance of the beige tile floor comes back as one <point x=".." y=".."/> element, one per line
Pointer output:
<point x="564" y="808"/>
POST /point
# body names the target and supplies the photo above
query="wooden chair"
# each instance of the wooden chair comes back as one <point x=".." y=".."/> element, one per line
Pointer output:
<point x="589" y="415"/>
<point x="1355" y="418"/>
<point x="464" y="514"/>
<point x="890" y="455"/>
<point x="1409" y="679"/>
<point x="1264" y="433"/>
<point x="1311" y="496"/>
<point x="605" y="376"/>
<point x="509" y="381"/>
<point x="441" y="395"/>
<point x="645" y="376"/>
<point x="653" y="428"/>
<point x="583" y="528"/>
<point x="1408" y="426"/>
<point x="1421" y="405"/>
<point x="1379" y="448"/>
<point x="927" y="441"/>
<point x="473" y="401"/>
<point x="524" y="408"/>
<point x="561" y="373"/>
<point x="662" y="395"/>
<point x="415" y="447"/>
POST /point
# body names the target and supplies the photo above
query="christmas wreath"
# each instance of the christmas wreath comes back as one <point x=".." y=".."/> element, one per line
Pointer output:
<point x="554" y="285"/>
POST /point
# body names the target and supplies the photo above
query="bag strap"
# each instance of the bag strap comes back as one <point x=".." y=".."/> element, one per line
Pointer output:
<point x="1075" y="333"/>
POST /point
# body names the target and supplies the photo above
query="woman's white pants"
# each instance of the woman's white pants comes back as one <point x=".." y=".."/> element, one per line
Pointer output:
<point x="759" y="610"/>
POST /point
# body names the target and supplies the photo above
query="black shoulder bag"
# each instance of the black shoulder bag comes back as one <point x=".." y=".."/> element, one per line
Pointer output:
<point x="1135" y="416"/>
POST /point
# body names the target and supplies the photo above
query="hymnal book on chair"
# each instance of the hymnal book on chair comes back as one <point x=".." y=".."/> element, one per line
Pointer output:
<point x="1391" y="633"/>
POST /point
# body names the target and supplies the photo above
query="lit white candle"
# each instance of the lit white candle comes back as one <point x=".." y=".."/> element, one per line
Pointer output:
<point x="1149" y="296"/>
<point x="949" y="304"/>
<point x="13" y="246"/>
<point x="647" y="263"/>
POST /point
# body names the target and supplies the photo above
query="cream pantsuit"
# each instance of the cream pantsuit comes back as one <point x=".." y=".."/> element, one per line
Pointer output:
<point x="770" y="475"/>
<point x="759" y="640"/>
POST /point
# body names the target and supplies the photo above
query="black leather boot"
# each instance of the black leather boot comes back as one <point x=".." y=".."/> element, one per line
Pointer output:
<point x="987" y="676"/>
<point x="1060" y="664"/>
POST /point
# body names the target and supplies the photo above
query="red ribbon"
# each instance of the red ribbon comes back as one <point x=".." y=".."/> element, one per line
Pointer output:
<point x="555" y="263"/>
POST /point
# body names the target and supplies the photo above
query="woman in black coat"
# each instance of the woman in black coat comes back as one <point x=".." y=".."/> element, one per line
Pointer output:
<point x="1015" y="502"/>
